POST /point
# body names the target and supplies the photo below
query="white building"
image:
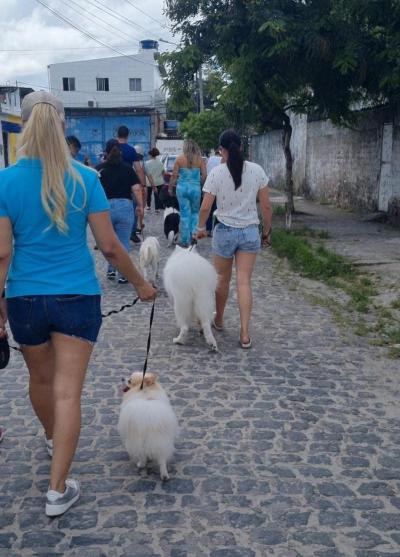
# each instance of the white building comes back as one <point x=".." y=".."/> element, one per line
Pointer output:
<point x="10" y="121"/>
<point x="100" y="95"/>
<point x="132" y="81"/>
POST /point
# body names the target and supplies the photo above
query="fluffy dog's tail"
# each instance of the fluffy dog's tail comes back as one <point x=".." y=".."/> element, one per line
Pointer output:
<point x="149" y="251"/>
<point x="171" y="237"/>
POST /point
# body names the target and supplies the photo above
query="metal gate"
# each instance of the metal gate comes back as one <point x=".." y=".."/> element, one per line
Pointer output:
<point x="94" y="131"/>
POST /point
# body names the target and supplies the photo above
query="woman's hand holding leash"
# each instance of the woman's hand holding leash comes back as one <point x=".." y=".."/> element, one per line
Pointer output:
<point x="266" y="239"/>
<point x="146" y="292"/>
<point x="201" y="233"/>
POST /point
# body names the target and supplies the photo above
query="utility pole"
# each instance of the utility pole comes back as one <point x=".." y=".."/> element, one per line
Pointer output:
<point x="200" y="85"/>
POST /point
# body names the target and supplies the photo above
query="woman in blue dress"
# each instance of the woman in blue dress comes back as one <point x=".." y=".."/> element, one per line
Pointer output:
<point x="187" y="176"/>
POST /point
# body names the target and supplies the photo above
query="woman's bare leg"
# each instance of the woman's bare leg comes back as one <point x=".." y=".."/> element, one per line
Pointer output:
<point x="40" y="362"/>
<point x="71" y="358"/>
<point x="244" y="269"/>
<point x="223" y="267"/>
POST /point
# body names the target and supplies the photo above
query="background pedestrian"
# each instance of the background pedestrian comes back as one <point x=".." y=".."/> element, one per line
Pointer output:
<point x="155" y="177"/>
<point x="188" y="173"/>
<point x="131" y="157"/>
<point x="121" y="184"/>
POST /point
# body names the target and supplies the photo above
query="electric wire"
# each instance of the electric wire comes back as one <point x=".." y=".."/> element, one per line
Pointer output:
<point x="64" y="48"/>
<point x="145" y="13"/>
<point x="82" y="11"/>
<point x="87" y="34"/>
<point x="124" y="19"/>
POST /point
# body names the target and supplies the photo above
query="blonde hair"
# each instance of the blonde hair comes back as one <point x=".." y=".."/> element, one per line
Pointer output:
<point x="191" y="151"/>
<point x="43" y="138"/>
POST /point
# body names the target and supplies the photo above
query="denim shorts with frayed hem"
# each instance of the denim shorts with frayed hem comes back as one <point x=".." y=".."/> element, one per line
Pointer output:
<point x="34" y="318"/>
<point x="227" y="240"/>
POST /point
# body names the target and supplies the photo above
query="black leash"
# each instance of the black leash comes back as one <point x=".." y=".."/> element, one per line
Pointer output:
<point x="193" y="243"/>
<point x="114" y="312"/>
<point x="148" y="343"/>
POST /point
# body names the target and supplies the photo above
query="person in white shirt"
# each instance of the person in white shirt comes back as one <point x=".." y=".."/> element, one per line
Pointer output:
<point x="236" y="185"/>
<point x="213" y="161"/>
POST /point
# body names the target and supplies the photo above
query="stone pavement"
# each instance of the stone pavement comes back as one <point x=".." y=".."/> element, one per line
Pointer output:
<point x="290" y="449"/>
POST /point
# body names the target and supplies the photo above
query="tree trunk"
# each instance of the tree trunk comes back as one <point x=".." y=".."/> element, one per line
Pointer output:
<point x="286" y="137"/>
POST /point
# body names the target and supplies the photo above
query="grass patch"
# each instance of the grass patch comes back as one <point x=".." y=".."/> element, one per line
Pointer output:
<point x="304" y="231"/>
<point x="278" y="210"/>
<point x="394" y="353"/>
<point x="361" y="329"/>
<point x="396" y="303"/>
<point x="312" y="262"/>
<point x="304" y="250"/>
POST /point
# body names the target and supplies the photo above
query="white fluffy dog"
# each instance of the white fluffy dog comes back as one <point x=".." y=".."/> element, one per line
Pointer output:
<point x="190" y="282"/>
<point x="149" y="257"/>
<point x="147" y="423"/>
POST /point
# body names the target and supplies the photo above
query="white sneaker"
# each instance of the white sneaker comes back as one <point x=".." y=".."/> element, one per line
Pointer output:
<point x="58" y="503"/>
<point x="49" y="446"/>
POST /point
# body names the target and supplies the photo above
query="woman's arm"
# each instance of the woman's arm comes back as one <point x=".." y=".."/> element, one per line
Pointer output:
<point x="205" y="209"/>
<point x="137" y="194"/>
<point x="175" y="173"/>
<point x="114" y="252"/>
<point x="149" y="177"/>
<point x="137" y="167"/>
<point x="266" y="212"/>
<point x="203" y="171"/>
<point x="5" y="257"/>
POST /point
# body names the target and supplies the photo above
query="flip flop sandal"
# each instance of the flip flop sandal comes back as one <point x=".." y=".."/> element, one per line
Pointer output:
<point x="213" y="324"/>
<point x="216" y="327"/>
<point x="245" y="345"/>
<point x="4" y="352"/>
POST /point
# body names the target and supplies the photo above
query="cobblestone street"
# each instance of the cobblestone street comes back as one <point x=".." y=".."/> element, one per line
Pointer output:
<point x="291" y="449"/>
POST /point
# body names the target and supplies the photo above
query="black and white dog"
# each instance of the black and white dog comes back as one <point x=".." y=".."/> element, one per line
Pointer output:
<point x="171" y="220"/>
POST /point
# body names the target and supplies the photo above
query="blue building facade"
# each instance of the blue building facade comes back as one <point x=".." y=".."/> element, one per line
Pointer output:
<point x="94" y="129"/>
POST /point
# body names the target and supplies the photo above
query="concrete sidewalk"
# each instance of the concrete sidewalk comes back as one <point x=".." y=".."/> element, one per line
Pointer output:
<point x="371" y="245"/>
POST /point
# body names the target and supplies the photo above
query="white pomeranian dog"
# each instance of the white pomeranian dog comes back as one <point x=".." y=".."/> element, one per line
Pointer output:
<point x="190" y="281"/>
<point x="147" y="423"/>
<point x="149" y="257"/>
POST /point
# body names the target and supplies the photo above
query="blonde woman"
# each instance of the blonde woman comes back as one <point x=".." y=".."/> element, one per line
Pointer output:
<point x="188" y="173"/>
<point x="53" y="296"/>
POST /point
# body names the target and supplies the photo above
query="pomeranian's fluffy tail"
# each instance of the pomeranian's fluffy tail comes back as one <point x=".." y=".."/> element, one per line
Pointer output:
<point x="149" y="251"/>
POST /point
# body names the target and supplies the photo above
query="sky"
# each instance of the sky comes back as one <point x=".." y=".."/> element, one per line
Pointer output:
<point x="31" y="37"/>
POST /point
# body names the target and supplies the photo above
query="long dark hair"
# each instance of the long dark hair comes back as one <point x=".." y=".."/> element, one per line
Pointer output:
<point x="113" y="152"/>
<point x="114" y="156"/>
<point x="231" y="141"/>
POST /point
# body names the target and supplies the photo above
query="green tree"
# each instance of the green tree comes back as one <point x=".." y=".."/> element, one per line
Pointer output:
<point x="302" y="56"/>
<point x="205" y="128"/>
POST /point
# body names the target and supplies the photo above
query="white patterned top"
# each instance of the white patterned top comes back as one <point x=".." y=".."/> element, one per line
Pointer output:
<point x="236" y="208"/>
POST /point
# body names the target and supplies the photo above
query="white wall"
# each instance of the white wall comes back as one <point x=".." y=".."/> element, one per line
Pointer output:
<point x="338" y="164"/>
<point x="118" y="70"/>
<point x="10" y="103"/>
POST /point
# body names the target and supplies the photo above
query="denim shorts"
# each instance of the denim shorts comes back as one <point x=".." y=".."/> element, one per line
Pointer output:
<point x="34" y="318"/>
<point x="227" y="240"/>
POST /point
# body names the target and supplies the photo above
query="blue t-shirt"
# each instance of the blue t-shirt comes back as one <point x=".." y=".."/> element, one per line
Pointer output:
<point x="129" y="154"/>
<point x="44" y="260"/>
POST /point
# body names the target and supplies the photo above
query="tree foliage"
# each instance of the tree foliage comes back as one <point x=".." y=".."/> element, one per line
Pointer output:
<point x="205" y="128"/>
<point x="303" y="56"/>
